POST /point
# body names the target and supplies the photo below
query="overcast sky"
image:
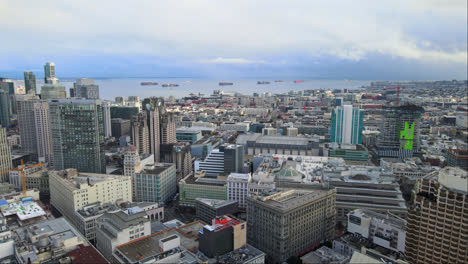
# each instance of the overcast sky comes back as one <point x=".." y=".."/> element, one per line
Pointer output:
<point x="398" y="39"/>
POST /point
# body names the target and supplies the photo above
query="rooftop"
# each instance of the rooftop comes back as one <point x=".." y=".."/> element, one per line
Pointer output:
<point x="148" y="246"/>
<point x="243" y="254"/>
<point x="288" y="199"/>
<point x="24" y="210"/>
<point x="324" y="255"/>
<point x="156" y="168"/>
<point x="386" y="219"/>
<point x="215" y="203"/>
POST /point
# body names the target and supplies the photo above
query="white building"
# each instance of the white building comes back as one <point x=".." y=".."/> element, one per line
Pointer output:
<point x="15" y="176"/>
<point x="291" y="131"/>
<point x="134" y="163"/>
<point x="117" y="228"/>
<point x="383" y="230"/>
<point x="238" y="188"/>
<point x="239" y="127"/>
<point x="213" y="164"/>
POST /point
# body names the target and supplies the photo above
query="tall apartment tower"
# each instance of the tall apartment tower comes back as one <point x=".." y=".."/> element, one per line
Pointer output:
<point x="168" y="129"/>
<point x="85" y="88"/>
<point x="399" y="131"/>
<point x="41" y="123"/>
<point x="437" y="228"/>
<point x="145" y="133"/>
<point x="49" y="73"/>
<point x="284" y="223"/>
<point x="77" y="135"/>
<point x="5" y="155"/>
<point x="30" y="82"/>
<point x="346" y="125"/>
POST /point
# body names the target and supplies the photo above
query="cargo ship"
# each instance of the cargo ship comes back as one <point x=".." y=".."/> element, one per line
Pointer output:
<point x="225" y="83"/>
<point x="170" y="85"/>
<point x="278" y="81"/>
<point x="148" y="83"/>
<point x="298" y="81"/>
<point x="263" y="82"/>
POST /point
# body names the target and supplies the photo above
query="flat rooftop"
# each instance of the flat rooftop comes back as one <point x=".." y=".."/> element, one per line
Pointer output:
<point x="288" y="199"/>
<point x="215" y="203"/>
<point x="24" y="210"/>
<point x="148" y="246"/>
<point x="156" y="168"/>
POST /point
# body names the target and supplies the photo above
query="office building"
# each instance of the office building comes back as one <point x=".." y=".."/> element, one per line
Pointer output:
<point x="200" y="186"/>
<point x="324" y="255"/>
<point x="168" y="129"/>
<point x="238" y="188"/>
<point x="26" y="122"/>
<point x="77" y="135"/>
<point x="120" y="100"/>
<point x="120" y="227"/>
<point x="124" y="112"/>
<point x="30" y="82"/>
<point x="457" y="158"/>
<point x="292" y="131"/>
<point x="239" y="127"/>
<point x="284" y="223"/>
<point x="120" y="127"/>
<point x="364" y="187"/>
<point x="400" y="131"/>
<point x="5" y="106"/>
<point x="352" y="153"/>
<point x="208" y="209"/>
<point x="49" y="73"/>
<point x="274" y="144"/>
<point x="225" y="159"/>
<point x="5" y="155"/>
<point x="85" y="88"/>
<point x="134" y="163"/>
<point x="346" y="125"/>
<point x="188" y="135"/>
<point x="145" y="132"/>
<point x="42" y="126"/>
<point x="71" y="191"/>
<point x="15" y="175"/>
<point x="383" y="230"/>
<point x="438" y="218"/>
<point x="156" y="182"/>
<point x="226" y="234"/>
<point x="106" y="111"/>
<point x="53" y="91"/>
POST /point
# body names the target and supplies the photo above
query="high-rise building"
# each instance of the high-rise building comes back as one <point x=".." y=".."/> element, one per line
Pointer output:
<point x="26" y="121"/>
<point x="30" y="82"/>
<point x="5" y="108"/>
<point x="284" y="223"/>
<point x="120" y="127"/>
<point x="133" y="164"/>
<point x="106" y="111"/>
<point x="168" y="129"/>
<point x="41" y="124"/>
<point x="346" y="125"/>
<point x="438" y="218"/>
<point x="145" y="132"/>
<point x="85" y="88"/>
<point x="399" y="131"/>
<point x="53" y="91"/>
<point x="179" y="154"/>
<point x="77" y="135"/>
<point x="49" y="73"/>
<point x="120" y="100"/>
<point x="5" y="155"/>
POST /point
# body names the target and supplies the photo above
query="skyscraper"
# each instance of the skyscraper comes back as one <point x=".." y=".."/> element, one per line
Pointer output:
<point x="30" y="82"/>
<point x="168" y="129"/>
<point x="41" y="120"/>
<point x="77" y="135"/>
<point x="49" y="73"/>
<point x="85" y="88"/>
<point x="5" y="155"/>
<point x="399" y="131"/>
<point x="437" y="229"/>
<point x="145" y="131"/>
<point x="26" y="121"/>
<point x="346" y="125"/>
<point x="4" y="107"/>
<point x="106" y="108"/>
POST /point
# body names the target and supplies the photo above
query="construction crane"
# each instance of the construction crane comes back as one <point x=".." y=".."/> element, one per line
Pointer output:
<point x="398" y="88"/>
<point x="23" y="177"/>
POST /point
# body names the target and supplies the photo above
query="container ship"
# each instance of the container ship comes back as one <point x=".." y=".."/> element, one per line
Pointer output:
<point x="298" y="81"/>
<point x="148" y="83"/>
<point x="170" y="85"/>
<point x="225" y="83"/>
<point x="278" y="81"/>
<point x="263" y="82"/>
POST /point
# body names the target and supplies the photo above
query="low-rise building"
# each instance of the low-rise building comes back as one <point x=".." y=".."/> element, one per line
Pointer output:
<point x="188" y="135"/>
<point x="264" y="144"/>
<point x="383" y="230"/>
<point x="208" y="209"/>
<point x="324" y="255"/>
<point x="200" y="186"/>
